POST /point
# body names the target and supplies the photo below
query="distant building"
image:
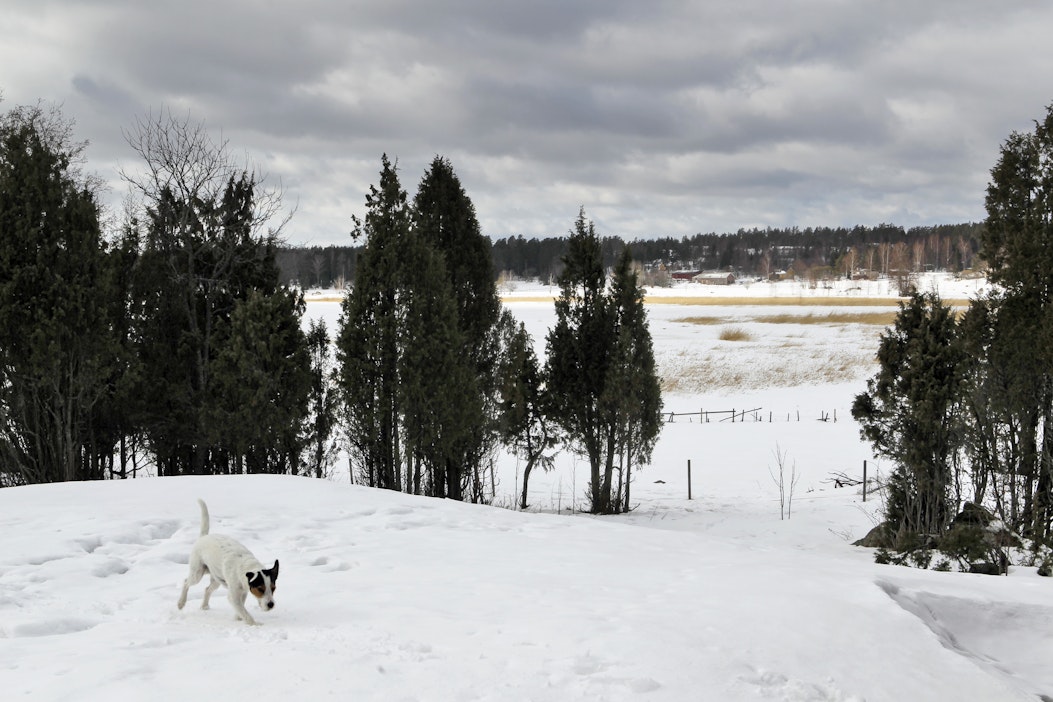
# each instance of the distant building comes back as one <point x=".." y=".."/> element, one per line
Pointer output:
<point x="715" y="278"/>
<point x="684" y="275"/>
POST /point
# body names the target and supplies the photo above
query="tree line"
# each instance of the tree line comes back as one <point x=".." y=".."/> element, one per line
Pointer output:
<point x="963" y="403"/>
<point x="820" y="252"/>
<point x="171" y="344"/>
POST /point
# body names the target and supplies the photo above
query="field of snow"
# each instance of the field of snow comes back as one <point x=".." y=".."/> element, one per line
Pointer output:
<point x="385" y="596"/>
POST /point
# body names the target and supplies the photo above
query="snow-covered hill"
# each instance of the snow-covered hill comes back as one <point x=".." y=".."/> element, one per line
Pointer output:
<point x="389" y="597"/>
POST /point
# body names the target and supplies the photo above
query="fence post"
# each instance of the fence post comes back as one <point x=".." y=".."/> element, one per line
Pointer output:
<point x="689" y="479"/>
<point x="864" y="481"/>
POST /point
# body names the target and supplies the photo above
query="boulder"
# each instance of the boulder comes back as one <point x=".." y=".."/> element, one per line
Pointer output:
<point x="972" y="514"/>
<point x="878" y="537"/>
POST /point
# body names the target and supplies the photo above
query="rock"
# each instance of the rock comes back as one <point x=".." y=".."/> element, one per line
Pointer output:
<point x="972" y="515"/>
<point x="878" y="537"/>
<point x="986" y="568"/>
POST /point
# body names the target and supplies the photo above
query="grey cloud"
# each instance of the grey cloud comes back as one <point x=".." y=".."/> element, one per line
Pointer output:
<point x="706" y="116"/>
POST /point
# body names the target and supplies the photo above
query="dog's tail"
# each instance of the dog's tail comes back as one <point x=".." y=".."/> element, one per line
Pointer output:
<point x="204" y="517"/>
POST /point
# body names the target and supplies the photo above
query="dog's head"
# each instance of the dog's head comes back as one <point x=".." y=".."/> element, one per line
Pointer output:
<point x="262" y="584"/>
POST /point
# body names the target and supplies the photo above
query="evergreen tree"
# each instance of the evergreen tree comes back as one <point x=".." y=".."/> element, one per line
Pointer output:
<point x="525" y="425"/>
<point x="368" y="338"/>
<point x="444" y="218"/>
<point x="261" y="382"/>
<point x="600" y="367"/>
<point x="322" y="446"/>
<point x="410" y="394"/>
<point x="55" y="305"/>
<point x="579" y="348"/>
<point x="439" y="403"/>
<point x="1004" y="387"/>
<point x="633" y="393"/>
<point x="908" y="414"/>
<point x="207" y="247"/>
<point x="1017" y="241"/>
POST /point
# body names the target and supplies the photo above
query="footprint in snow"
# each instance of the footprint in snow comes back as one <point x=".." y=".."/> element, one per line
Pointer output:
<point x="328" y="565"/>
<point x="51" y="627"/>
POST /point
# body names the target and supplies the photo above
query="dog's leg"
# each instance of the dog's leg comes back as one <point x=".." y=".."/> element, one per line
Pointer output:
<point x="197" y="571"/>
<point x="213" y="584"/>
<point x="237" y="600"/>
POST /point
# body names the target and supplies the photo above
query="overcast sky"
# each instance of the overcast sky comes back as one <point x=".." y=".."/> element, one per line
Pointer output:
<point x="659" y="117"/>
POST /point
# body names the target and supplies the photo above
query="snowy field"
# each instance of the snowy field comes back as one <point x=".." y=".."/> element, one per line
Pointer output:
<point x="390" y="597"/>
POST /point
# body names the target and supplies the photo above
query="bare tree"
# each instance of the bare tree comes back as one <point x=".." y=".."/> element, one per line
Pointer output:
<point x="786" y="489"/>
<point x="181" y="157"/>
<point x="211" y="229"/>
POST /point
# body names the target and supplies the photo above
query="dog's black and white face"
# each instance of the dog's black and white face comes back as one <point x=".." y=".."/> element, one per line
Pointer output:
<point x="262" y="584"/>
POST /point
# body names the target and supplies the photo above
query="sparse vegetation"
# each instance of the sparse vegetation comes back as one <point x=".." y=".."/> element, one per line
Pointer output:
<point x="735" y="334"/>
<point x="882" y="319"/>
<point x="705" y="321"/>
<point x="698" y="301"/>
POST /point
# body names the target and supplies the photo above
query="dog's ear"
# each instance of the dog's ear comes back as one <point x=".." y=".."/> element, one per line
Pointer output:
<point x="274" y="570"/>
<point x="250" y="577"/>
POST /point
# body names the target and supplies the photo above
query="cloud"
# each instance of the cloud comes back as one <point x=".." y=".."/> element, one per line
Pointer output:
<point x="661" y="118"/>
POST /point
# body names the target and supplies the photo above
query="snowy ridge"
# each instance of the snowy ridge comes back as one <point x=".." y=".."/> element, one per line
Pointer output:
<point x="385" y="596"/>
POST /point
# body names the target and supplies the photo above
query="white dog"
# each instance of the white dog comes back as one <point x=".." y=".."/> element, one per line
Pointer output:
<point x="230" y="564"/>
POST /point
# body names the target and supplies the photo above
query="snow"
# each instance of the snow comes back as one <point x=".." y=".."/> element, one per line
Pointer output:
<point x="384" y="596"/>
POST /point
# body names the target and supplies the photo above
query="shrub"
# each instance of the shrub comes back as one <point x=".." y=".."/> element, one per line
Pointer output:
<point x="735" y="334"/>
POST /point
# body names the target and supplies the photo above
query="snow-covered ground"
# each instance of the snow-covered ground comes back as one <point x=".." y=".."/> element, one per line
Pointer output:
<point x="390" y="597"/>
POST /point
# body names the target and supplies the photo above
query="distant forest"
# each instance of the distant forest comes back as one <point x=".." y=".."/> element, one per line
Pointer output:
<point x="814" y="252"/>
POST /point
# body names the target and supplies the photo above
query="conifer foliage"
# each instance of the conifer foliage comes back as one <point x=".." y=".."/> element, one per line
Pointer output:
<point x="1013" y="391"/>
<point x="56" y="349"/>
<point x="411" y="404"/>
<point x="600" y="369"/>
<point x="968" y="406"/>
<point x="909" y="411"/>
<point x="444" y="218"/>
<point x="225" y="368"/>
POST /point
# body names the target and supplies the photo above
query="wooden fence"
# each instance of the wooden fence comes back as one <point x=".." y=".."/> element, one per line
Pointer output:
<point x="756" y="414"/>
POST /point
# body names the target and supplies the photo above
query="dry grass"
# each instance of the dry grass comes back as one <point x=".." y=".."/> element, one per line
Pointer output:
<point x="707" y="370"/>
<point x="882" y="319"/>
<point x="705" y="321"/>
<point x="735" y="334"/>
<point x="787" y="301"/>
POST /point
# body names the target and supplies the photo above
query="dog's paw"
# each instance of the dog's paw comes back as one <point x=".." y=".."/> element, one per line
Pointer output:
<point x="204" y="605"/>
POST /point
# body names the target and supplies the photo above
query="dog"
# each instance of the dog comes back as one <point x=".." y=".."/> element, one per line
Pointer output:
<point x="230" y="564"/>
